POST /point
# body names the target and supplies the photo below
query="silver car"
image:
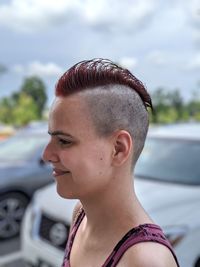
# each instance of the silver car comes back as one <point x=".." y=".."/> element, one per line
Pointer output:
<point x="22" y="171"/>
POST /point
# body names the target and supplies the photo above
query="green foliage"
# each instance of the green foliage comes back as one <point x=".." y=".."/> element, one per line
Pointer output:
<point x="25" y="111"/>
<point x="194" y="106"/>
<point x="20" y="112"/>
<point x="169" y="107"/>
<point x="35" y="88"/>
<point x="6" y="107"/>
<point x="26" y="105"/>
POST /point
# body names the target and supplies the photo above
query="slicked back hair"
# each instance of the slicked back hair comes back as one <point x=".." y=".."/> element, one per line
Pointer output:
<point x="116" y="98"/>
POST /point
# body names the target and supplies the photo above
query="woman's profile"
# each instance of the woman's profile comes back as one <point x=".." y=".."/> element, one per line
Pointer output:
<point x="98" y="124"/>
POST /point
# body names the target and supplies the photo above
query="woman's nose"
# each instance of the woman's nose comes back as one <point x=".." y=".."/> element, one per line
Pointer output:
<point x="49" y="155"/>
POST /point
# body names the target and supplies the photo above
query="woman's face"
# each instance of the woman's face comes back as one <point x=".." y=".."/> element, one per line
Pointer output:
<point x="80" y="158"/>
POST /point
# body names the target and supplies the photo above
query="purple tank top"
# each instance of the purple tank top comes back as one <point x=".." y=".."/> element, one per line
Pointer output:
<point x="141" y="233"/>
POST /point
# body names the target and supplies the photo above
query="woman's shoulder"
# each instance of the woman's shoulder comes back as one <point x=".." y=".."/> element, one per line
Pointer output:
<point x="148" y="254"/>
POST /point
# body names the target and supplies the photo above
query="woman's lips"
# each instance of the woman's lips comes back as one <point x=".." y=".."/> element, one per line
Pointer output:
<point x="57" y="172"/>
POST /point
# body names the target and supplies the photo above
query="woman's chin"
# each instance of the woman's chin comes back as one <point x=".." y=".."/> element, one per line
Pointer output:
<point x="67" y="194"/>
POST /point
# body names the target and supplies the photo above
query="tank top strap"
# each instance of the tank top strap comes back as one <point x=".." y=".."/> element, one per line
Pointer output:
<point x="79" y="217"/>
<point x="141" y="233"/>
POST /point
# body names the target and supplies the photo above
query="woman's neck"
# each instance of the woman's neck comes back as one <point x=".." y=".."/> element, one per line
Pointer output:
<point x="114" y="209"/>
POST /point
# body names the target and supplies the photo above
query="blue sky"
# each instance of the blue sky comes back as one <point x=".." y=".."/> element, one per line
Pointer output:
<point x="159" y="41"/>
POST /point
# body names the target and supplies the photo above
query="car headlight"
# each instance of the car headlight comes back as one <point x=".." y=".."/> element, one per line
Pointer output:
<point x="35" y="216"/>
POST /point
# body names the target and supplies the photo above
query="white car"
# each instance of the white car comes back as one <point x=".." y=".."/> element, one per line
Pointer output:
<point x="45" y="228"/>
<point x="167" y="184"/>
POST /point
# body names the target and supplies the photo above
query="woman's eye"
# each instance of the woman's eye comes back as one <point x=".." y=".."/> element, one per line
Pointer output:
<point x="64" y="142"/>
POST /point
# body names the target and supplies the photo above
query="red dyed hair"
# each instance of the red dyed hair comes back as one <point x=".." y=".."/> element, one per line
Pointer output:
<point x="99" y="72"/>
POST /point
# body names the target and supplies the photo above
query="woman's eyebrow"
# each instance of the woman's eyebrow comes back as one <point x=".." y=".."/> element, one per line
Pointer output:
<point x="59" y="133"/>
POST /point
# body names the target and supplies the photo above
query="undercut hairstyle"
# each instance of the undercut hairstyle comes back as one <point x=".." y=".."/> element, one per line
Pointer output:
<point x="116" y="99"/>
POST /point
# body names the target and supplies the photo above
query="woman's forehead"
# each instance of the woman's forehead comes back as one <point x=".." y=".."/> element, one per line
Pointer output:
<point x="70" y="105"/>
<point x="71" y="111"/>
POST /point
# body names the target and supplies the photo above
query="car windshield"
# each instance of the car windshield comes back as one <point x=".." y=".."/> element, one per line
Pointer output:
<point x="170" y="160"/>
<point x="20" y="148"/>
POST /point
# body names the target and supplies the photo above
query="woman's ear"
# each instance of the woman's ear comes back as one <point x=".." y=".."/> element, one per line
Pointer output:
<point x="122" y="147"/>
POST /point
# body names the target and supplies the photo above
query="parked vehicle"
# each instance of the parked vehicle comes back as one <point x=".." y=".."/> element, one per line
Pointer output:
<point x="21" y="172"/>
<point x="167" y="183"/>
<point x="45" y="228"/>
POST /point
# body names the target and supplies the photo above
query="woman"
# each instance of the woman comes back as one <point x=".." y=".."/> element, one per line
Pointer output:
<point x="98" y="124"/>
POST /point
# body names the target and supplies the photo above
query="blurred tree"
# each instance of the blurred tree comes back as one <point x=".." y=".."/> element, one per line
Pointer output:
<point x="176" y="101"/>
<point x="160" y="104"/>
<point x="193" y="106"/>
<point x="18" y="112"/>
<point x="35" y="88"/>
<point x="6" y="107"/>
<point x="168" y="106"/>
<point x="25" y="111"/>
<point x="168" y="116"/>
<point x="26" y="105"/>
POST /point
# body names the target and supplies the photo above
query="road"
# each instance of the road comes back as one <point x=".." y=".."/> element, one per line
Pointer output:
<point x="10" y="255"/>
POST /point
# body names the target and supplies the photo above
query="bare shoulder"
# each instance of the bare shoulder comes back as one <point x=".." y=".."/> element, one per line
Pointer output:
<point x="148" y="254"/>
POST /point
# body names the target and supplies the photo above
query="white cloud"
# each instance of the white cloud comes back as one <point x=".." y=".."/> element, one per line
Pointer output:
<point x="194" y="8"/>
<point x="39" y="69"/>
<point x="194" y="63"/>
<point x="118" y="15"/>
<point x="28" y="15"/>
<point x="158" y="58"/>
<point x="34" y="15"/>
<point x="128" y="62"/>
<point x="192" y="12"/>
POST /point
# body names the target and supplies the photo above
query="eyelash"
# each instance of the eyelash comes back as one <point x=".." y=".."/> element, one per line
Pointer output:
<point x="63" y="142"/>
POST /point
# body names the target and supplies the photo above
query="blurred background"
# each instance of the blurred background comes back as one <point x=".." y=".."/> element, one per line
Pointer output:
<point x="157" y="40"/>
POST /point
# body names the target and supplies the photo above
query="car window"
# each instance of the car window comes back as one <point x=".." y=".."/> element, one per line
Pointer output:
<point x="170" y="160"/>
<point x="21" y="147"/>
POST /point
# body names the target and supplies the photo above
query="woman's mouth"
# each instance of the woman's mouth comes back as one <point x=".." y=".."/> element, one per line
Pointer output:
<point x="57" y="172"/>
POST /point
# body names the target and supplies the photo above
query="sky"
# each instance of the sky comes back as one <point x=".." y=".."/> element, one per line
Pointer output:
<point x="157" y="40"/>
